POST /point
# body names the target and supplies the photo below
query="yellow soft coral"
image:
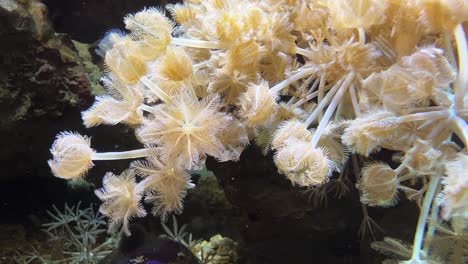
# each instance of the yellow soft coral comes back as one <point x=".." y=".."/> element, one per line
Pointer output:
<point x="311" y="80"/>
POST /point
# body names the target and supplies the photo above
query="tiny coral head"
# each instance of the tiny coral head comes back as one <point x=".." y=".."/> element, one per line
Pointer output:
<point x="303" y="165"/>
<point x="176" y="65"/>
<point x="368" y="132"/>
<point x="287" y="130"/>
<point x="257" y="104"/>
<point x="169" y="192"/>
<point x="122" y="105"/>
<point x="72" y="155"/>
<point x="108" y="110"/>
<point x="165" y="183"/>
<point x="235" y="138"/>
<point x="454" y="197"/>
<point x="150" y="31"/>
<point x="423" y="157"/>
<point x="121" y="197"/>
<point x="150" y="23"/>
<point x="127" y="67"/>
<point x="379" y="185"/>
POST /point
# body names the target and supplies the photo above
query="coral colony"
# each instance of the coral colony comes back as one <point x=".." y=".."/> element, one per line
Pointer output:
<point x="316" y="81"/>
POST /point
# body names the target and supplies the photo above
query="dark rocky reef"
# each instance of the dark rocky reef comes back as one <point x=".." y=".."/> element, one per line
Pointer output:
<point x="40" y="71"/>
<point x="280" y="224"/>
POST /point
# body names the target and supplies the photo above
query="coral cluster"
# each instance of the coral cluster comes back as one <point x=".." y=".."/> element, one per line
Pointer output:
<point x="314" y="81"/>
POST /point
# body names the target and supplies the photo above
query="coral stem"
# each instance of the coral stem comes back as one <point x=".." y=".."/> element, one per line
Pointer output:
<point x="285" y="83"/>
<point x="424" y="116"/>
<point x="311" y="95"/>
<point x="331" y="108"/>
<point x="462" y="81"/>
<point x="449" y="49"/>
<point x="131" y="154"/>
<point x="323" y="103"/>
<point x="306" y="99"/>
<point x="362" y="36"/>
<point x="146" y="108"/>
<point x="200" y="65"/>
<point x="303" y="52"/>
<point x="321" y="92"/>
<point x="423" y="215"/>
<point x="156" y="90"/>
<point x="461" y="129"/>
<point x="401" y="167"/>
<point x="196" y="43"/>
<point x="432" y="222"/>
<point x="354" y="101"/>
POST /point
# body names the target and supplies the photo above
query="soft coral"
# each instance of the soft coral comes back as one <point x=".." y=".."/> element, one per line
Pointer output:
<point x="187" y="128"/>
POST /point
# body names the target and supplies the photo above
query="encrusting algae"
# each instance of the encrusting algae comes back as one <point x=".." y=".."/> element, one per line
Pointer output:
<point x="318" y="80"/>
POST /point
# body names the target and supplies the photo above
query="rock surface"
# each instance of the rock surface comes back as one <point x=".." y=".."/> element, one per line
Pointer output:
<point x="41" y="72"/>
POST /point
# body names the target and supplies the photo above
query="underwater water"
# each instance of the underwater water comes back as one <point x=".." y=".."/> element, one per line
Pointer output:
<point x="232" y="132"/>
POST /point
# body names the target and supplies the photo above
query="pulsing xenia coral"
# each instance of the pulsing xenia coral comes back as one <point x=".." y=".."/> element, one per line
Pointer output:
<point x="315" y="81"/>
